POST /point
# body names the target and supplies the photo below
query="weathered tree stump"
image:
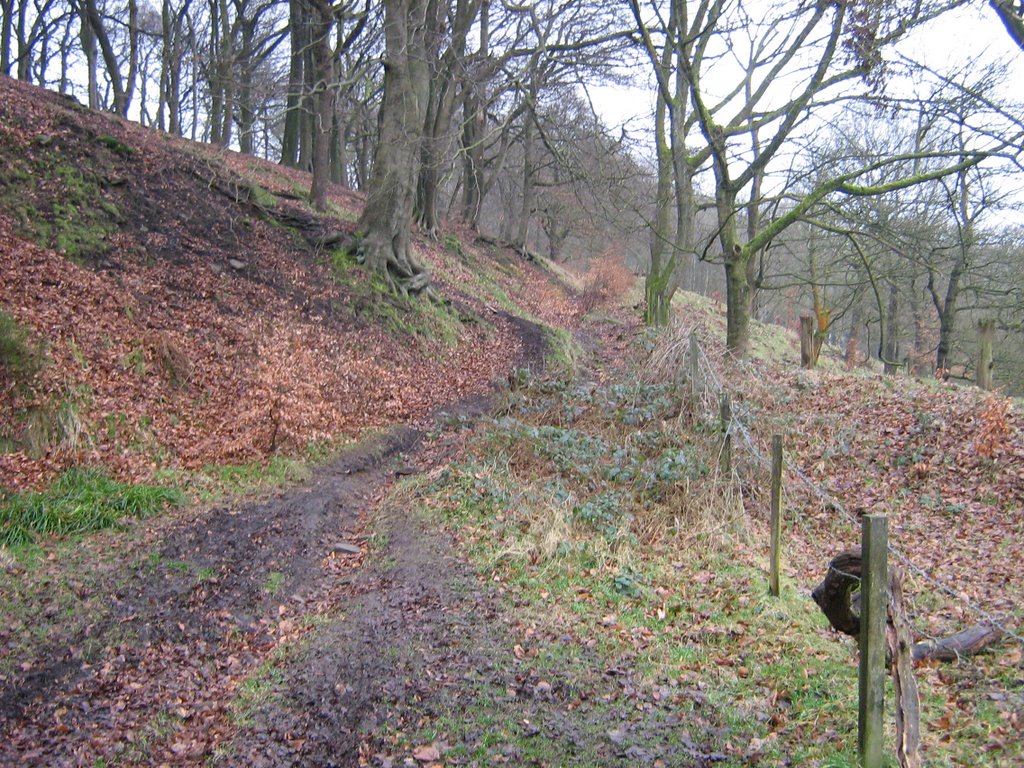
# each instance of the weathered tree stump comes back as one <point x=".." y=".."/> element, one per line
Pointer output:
<point x="837" y="598"/>
<point x="835" y="595"/>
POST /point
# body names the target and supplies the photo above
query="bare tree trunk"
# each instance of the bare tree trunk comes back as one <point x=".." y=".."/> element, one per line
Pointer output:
<point x="307" y="104"/>
<point x="323" y="67"/>
<point x="145" y="119"/>
<point x="24" y="47"/>
<point x="658" y="287"/>
<point x="296" y="80"/>
<point x="807" y="356"/>
<point x="528" y="189"/>
<point x="437" y="127"/>
<point x="89" y="51"/>
<point x="385" y="225"/>
<point x="737" y="301"/>
<point x="475" y="124"/>
<point x="891" y="348"/>
<point x="110" y="61"/>
<point x="6" y="33"/>
<point x="221" y="67"/>
<point x="213" y="78"/>
<point x="473" y="158"/>
<point x="362" y="164"/>
<point x="65" y="54"/>
<point x="339" y="154"/>
<point x="133" y="55"/>
<point x="246" y="114"/>
<point x="853" y="338"/>
<point x="247" y="63"/>
<point x="41" y="33"/>
<point x="986" y="340"/>
<point x="172" y="27"/>
<point x="947" y="306"/>
<point x="822" y="315"/>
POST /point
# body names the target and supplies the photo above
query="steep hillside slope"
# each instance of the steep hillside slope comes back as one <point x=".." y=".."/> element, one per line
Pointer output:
<point x="184" y="315"/>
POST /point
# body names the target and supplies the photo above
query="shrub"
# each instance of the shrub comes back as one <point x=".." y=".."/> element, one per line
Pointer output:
<point x="605" y="282"/>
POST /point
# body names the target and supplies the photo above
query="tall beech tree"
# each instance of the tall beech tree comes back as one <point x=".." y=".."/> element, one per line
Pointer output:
<point x="671" y="43"/>
<point x="121" y="84"/>
<point x="448" y="71"/>
<point x="321" y="17"/>
<point x="384" y="229"/>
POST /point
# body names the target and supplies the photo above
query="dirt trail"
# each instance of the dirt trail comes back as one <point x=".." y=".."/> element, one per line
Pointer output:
<point x="152" y="676"/>
<point x="312" y="629"/>
<point x="199" y="614"/>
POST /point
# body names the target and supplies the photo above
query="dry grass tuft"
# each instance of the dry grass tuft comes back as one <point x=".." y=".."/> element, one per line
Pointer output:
<point x="52" y="426"/>
<point x="669" y="358"/>
<point x="546" y="527"/>
<point x="171" y="358"/>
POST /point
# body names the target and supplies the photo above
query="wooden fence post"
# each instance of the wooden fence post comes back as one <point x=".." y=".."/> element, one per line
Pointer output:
<point x="873" y="608"/>
<point x="776" y="518"/>
<point x="725" y="458"/>
<point x="695" y="388"/>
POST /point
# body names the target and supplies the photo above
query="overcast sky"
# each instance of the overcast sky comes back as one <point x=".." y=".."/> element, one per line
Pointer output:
<point x="960" y="38"/>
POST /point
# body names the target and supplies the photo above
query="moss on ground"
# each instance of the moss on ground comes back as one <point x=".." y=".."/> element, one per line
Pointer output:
<point x="59" y="201"/>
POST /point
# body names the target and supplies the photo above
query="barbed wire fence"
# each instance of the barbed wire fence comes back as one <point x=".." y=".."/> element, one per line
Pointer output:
<point x="712" y="391"/>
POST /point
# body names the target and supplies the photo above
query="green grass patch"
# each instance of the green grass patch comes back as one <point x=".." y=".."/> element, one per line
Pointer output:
<point x="142" y="747"/>
<point x="117" y="147"/>
<point x="564" y="352"/>
<point x="256" y="691"/>
<point x="278" y="470"/>
<point x="219" y="481"/>
<point x="273" y="583"/>
<point x="80" y="501"/>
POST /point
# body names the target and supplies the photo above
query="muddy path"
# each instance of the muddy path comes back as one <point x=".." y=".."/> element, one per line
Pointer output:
<point x="141" y="657"/>
<point x="313" y="628"/>
<point x="152" y="678"/>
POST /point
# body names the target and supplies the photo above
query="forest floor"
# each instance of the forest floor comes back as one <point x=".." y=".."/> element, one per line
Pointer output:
<point x="166" y="652"/>
<point x="305" y="629"/>
<point x="486" y="532"/>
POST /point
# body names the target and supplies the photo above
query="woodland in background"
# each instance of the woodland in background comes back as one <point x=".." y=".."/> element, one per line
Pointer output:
<point x="875" y="197"/>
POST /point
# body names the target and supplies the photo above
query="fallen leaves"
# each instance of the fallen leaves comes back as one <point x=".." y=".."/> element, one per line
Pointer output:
<point x="173" y="359"/>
